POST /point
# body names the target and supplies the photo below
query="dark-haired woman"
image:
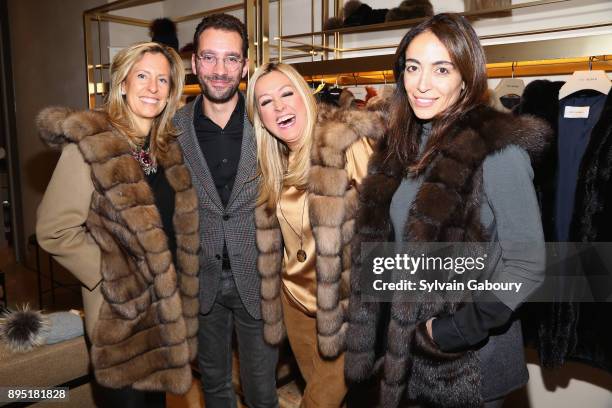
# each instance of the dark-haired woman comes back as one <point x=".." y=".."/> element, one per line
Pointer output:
<point x="449" y="170"/>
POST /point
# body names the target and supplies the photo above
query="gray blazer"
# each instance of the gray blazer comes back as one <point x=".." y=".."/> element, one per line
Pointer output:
<point x="234" y="224"/>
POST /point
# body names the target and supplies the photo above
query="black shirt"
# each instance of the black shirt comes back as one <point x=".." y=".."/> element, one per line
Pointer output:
<point x="164" y="200"/>
<point x="221" y="147"/>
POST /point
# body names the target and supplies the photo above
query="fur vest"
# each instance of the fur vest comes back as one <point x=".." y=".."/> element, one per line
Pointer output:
<point x="146" y="333"/>
<point x="446" y="209"/>
<point x="574" y="331"/>
<point x="332" y="201"/>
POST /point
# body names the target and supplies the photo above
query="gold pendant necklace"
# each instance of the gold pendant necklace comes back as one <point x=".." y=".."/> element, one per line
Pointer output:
<point x="301" y="254"/>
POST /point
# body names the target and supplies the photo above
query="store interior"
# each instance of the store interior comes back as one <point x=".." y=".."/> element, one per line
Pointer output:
<point x="58" y="52"/>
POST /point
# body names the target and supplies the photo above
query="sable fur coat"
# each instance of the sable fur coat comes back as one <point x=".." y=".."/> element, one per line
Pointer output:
<point x="574" y="331"/>
<point x="145" y="335"/>
<point x="332" y="200"/>
<point x="446" y="209"/>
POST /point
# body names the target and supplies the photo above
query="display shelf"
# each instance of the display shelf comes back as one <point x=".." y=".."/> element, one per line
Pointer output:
<point x="97" y="70"/>
<point x="498" y="70"/>
<point x="536" y="58"/>
<point x="524" y="58"/>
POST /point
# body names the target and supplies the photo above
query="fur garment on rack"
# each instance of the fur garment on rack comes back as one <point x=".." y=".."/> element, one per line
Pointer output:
<point x="572" y="330"/>
<point x="409" y="9"/>
<point x="163" y="31"/>
<point x="356" y="13"/>
<point x="479" y="5"/>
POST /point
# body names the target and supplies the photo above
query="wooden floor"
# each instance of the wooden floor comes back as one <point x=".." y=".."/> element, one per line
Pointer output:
<point x="193" y="399"/>
<point x="289" y="396"/>
<point x="22" y="288"/>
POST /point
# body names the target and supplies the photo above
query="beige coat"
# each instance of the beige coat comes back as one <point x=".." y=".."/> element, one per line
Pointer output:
<point x="61" y="231"/>
<point x="141" y="307"/>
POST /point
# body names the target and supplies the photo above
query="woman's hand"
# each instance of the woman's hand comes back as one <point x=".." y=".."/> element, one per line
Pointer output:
<point x="429" y="325"/>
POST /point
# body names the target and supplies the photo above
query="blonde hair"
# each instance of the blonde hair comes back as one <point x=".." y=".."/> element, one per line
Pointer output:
<point x="272" y="153"/>
<point x="120" y="115"/>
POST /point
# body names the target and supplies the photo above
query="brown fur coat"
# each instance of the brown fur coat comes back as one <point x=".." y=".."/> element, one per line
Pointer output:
<point x="146" y="333"/>
<point x="332" y="203"/>
<point x="446" y="209"/>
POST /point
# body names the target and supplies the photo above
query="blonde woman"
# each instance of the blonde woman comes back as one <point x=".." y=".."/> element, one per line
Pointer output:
<point x="120" y="213"/>
<point x="311" y="164"/>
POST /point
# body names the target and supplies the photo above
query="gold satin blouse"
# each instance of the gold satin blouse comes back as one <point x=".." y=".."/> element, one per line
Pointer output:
<point x="299" y="278"/>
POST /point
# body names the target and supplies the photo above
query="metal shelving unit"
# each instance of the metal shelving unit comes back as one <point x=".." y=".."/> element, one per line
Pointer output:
<point x="97" y="69"/>
<point x="539" y="57"/>
<point x="325" y="48"/>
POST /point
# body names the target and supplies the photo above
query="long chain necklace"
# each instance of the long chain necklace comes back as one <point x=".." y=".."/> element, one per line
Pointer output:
<point x="301" y="254"/>
<point x="144" y="158"/>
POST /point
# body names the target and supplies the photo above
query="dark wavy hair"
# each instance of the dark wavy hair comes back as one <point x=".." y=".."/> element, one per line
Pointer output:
<point x="222" y="21"/>
<point x="466" y="53"/>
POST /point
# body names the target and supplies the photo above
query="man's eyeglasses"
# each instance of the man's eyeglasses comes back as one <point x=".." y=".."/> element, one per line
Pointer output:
<point x="231" y="62"/>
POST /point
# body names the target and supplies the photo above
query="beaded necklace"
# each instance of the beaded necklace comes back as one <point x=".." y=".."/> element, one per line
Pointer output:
<point x="142" y="154"/>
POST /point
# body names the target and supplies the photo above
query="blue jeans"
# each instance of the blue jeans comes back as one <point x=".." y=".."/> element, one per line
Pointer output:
<point x="257" y="359"/>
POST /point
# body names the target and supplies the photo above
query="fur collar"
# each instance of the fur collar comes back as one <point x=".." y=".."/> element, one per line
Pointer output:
<point x="149" y="309"/>
<point x="332" y="207"/>
<point x="58" y="125"/>
<point x="481" y="132"/>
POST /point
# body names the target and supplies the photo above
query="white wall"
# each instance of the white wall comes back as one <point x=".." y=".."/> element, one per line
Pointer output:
<point x="552" y="16"/>
<point x="49" y="68"/>
<point x="297" y="20"/>
<point x="572" y="13"/>
<point x="180" y="8"/>
<point x="122" y="35"/>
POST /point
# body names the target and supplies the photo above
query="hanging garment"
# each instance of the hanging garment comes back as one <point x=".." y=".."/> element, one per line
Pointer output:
<point x="479" y="5"/>
<point x="578" y="114"/>
<point x="575" y="190"/>
<point x="494" y="101"/>
<point x="509" y="91"/>
<point x="409" y="9"/>
<point x="357" y="13"/>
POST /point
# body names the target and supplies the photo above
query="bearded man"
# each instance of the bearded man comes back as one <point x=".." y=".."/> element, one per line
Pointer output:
<point x="220" y="151"/>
